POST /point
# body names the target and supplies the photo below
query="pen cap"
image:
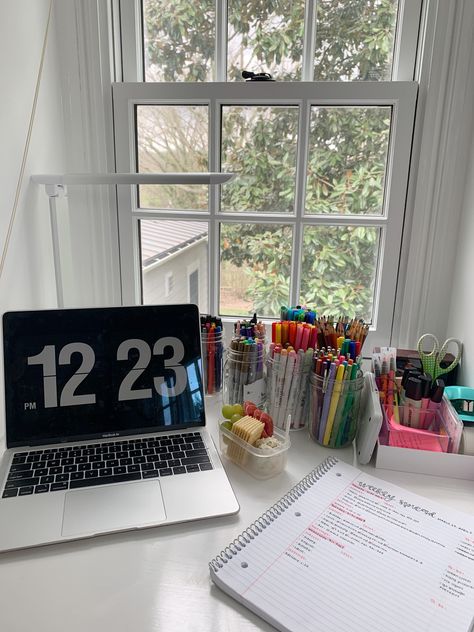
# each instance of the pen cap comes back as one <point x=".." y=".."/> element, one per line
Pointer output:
<point x="407" y="373"/>
<point x="426" y="385"/>
<point x="414" y="389"/>
<point x="437" y="391"/>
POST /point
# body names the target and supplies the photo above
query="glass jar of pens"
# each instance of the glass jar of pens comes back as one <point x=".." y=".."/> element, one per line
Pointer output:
<point x="335" y="403"/>
<point x="212" y="344"/>
<point x="287" y="383"/>
<point x="244" y="372"/>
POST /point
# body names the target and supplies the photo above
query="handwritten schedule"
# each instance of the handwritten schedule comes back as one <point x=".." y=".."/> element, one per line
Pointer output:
<point x="354" y="553"/>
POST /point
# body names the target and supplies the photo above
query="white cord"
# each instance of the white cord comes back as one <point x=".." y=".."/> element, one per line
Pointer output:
<point x="27" y="146"/>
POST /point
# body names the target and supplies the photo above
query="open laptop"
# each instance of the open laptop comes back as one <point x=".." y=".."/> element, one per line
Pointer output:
<point x="105" y="424"/>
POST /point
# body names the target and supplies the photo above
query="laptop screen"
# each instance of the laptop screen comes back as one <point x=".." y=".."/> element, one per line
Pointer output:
<point x="74" y="374"/>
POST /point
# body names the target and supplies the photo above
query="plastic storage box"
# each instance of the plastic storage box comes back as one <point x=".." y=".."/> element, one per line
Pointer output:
<point x="435" y="438"/>
<point x="259" y="463"/>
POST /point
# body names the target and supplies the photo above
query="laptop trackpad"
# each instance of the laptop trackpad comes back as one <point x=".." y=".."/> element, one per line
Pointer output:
<point x="112" y="508"/>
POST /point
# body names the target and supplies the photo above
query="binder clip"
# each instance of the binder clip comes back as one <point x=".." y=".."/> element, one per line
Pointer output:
<point x="248" y="75"/>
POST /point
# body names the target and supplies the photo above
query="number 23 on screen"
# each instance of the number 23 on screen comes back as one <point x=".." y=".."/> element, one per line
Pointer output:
<point x="68" y="397"/>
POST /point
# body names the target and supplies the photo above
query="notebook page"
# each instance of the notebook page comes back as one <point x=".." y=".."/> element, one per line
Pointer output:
<point x="355" y="553"/>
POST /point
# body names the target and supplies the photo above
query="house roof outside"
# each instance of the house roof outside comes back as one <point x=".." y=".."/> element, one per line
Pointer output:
<point x="162" y="238"/>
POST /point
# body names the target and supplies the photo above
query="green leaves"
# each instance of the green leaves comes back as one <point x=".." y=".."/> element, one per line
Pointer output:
<point x="347" y="149"/>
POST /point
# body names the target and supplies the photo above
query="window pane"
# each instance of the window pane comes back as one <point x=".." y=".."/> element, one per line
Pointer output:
<point x="179" y="40"/>
<point x="265" y="37"/>
<point x="174" y="262"/>
<point x="347" y="160"/>
<point x="338" y="269"/>
<point x="354" y="39"/>
<point x="173" y="138"/>
<point x="259" y="145"/>
<point x="255" y="269"/>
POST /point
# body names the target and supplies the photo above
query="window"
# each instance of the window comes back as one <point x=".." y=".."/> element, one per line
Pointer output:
<point x="315" y="212"/>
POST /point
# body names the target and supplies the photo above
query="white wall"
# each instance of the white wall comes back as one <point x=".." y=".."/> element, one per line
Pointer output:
<point x="462" y="295"/>
<point x="194" y="257"/>
<point x="28" y="277"/>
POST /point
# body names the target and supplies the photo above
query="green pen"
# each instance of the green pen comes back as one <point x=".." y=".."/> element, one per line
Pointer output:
<point x="346" y="419"/>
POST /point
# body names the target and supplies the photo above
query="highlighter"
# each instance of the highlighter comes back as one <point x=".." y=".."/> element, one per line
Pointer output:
<point x="407" y="373"/>
<point x="413" y="393"/>
<point x="425" y="398"/>
<point x="437" y="392"/>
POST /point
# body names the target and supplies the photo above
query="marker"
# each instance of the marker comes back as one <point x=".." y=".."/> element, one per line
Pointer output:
<point x="279" y="383"/>
<point x="437" y="393"/>
<point x="425" y="398"/>
<point x="336" y="391"/>
<point x="295" y="391"/>
<point x="413" y="393"/>
<point x="288" y="377"/>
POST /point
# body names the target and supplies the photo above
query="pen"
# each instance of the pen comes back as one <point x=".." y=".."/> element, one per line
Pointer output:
<point x="336" y="392"/>
<point x="294" y="390"/>
<point x="327" y="400"/>
<point x="287" y="380"/>
<point x="279" y="383"/>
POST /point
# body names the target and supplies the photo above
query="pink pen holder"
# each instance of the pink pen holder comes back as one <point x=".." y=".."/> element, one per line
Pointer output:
<point x="431" y="436"/>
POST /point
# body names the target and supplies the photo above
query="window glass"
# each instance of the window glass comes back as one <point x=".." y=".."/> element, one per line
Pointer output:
<point x="255" y="268"/>
<point x="265" y="37"/>
<point x="339" y="267"/>
<point x="179" y="40"/>
<point x="347" y="160"/>
<point x="354" y="40"/>
<point x="172" y="138"/>
<point x="177" y="250"/>
<point x="259" y="145"/>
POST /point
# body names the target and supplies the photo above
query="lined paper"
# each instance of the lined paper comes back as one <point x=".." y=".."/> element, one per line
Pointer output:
<point x="355" y="553"/>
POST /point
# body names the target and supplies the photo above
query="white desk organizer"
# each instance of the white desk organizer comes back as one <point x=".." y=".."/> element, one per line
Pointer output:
<point x="405" y="459"/>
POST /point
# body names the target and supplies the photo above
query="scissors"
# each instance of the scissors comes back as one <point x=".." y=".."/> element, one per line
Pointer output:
<point x="431" y="360"/>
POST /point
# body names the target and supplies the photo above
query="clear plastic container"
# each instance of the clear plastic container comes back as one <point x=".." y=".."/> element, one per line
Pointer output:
<point x="334" y="410"/>
<point x="430" y="435"/>
<point x="244" y="374"/>
<point x="259" y="463"/>
<point x="212" y="346"/>
<point x="287" y="394"/>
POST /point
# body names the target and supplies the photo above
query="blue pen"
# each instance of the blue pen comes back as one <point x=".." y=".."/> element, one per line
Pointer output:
<point x="352" y="349"/>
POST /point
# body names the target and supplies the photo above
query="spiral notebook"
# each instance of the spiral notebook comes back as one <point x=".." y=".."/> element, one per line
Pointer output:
<point x="345" y="551"/>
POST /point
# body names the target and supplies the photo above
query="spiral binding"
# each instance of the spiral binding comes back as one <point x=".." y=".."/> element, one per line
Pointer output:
<point x="271" y="514"/>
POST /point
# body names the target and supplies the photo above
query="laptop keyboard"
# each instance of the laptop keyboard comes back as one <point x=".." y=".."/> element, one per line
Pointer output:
<point x="41" y="471"/>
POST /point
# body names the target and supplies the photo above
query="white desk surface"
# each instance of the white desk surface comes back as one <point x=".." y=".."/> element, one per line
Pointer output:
<point x="158" y="579"/>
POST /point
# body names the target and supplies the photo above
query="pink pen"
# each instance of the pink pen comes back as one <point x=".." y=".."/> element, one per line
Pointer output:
<point x="305" y="338"/>
<point x="299" y="333"/>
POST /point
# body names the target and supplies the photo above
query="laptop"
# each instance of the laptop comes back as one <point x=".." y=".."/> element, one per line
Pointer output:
<point x="105" y="424"/>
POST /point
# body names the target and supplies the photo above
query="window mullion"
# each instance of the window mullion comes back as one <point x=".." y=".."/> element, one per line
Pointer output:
<point x="309" y="42"/>
<point x="300" y="193"/>
<point x="221" y="41"/>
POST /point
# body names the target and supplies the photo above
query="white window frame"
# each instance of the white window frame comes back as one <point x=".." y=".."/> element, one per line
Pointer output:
<point x="129" y="64"/>
<point x="400" y="96"/>
<point x="169" y="283"/>
<point x="193" y="267"/>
